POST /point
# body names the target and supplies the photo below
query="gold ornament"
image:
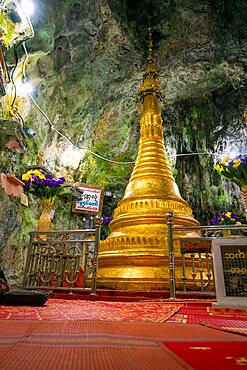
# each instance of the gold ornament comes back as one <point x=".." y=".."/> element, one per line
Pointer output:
<point x="244" y="196"/>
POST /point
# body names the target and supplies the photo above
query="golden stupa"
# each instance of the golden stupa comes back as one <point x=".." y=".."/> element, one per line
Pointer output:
<point x="135" y="254"/>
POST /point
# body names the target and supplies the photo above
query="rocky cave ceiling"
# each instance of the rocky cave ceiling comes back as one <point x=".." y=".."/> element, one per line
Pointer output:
<point x="86" y="61"/>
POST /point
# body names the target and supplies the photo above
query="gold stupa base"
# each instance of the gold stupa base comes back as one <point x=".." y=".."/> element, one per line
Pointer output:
<point x="132" y="284"/>
<point x="150" y="272"/>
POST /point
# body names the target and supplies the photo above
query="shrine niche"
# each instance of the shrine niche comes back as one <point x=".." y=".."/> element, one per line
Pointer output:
<point x="11" y="185"/>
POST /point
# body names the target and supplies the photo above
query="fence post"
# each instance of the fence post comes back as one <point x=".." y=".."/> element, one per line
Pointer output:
<point x="28" y="257"/>
<point x="169" y="217"/>
<point x="98" y="222"/>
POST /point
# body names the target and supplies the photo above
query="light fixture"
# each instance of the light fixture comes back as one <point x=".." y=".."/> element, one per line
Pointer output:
<point x="233" y="154"/>
<point x="27" y="7"/>
<point x="71" y="157"/>
<point x="29" y="131"/>
<point x="23" y="88"/>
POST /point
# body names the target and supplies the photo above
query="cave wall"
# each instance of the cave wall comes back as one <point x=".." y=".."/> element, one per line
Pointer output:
<point x="86" y="61"/>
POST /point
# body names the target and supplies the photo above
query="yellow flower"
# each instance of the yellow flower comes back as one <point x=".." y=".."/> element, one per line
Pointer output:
<point x="236" y="162"/>
<point x="219" y="168"/>
<point x="238" y="223"/>
<point x="26" y="176"/>
<point x="38" y="173"/>
<point x="225" y="160"/>
<point x="228" y="214"/>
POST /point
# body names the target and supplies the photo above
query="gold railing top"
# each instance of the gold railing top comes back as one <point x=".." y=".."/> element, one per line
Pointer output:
<point x="205" y="238"/>
<point x="79" y="231"/>
<point x="210" y="227"/>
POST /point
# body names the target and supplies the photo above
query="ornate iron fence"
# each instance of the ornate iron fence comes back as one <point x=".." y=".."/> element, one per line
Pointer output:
<point x="63" y="260"/>
<point x="68" y="260"/>
<point x="197" y="263"/>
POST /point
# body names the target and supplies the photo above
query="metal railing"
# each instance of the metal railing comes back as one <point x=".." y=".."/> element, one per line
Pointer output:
<point x="200" y="245"/>
<point x="68" y="260"/>
<point x="63" y="260"/>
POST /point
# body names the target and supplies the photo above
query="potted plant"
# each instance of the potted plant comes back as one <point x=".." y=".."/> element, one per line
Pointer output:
<point x="47" y="188"/>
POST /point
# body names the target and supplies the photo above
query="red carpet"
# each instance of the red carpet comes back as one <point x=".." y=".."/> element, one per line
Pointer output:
<point x="98" y="335"/>
<point x="58" y="309"/>
<point x="220" y="355"/>
<point x="97" y="345"/>
<point x="234" y="320"/>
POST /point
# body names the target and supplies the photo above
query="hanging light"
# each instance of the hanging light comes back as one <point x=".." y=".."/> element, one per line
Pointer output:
<point x="23" y="88"/>
<point x="71" y="157"/>
<point x="27" y="7"/>
<point x="233" y="154"/>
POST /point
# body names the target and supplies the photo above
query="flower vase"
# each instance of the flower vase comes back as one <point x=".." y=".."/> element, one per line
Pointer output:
<point x="44" y="222"/>
<point x="244" y="196"/>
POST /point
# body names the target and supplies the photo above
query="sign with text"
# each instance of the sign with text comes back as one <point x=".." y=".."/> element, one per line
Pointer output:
<point x="230" y="269"/>
<point x="91" y="200"/>
<point x="234" y="264"/>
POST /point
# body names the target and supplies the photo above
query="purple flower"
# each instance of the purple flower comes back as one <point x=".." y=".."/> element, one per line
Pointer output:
<point x="216" y="219"/>
<point x="237" y="218"/>
<point x="107" y="220"/>
<point x="43" y="185"/>
<point x="27" y="184"/>
<point x="43" y="182"/>
<point x="224" y="218"/>
<point x="54" y="183"/>
<point x="48" y="176"/>
<point x="61" y="180"/>
<point x="35" y="178"/>
<point x="243" y="160"/>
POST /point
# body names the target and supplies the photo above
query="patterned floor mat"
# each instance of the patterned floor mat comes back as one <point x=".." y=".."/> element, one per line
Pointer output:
<point x="228" y="319"/>
<point x="57" y="309"/>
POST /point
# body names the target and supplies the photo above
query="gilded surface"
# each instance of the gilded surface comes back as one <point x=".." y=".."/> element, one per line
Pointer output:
<point x="135" y="254"/>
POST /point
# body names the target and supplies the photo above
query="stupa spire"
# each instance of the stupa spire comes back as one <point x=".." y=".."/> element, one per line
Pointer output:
<point x="135" y="254"/>
<point x="151" y="160"/>
<point x="150" y="82"/>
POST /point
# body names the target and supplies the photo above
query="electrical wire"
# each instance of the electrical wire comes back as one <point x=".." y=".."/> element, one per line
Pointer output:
<point x="12" y="74"/>
<point x="70" y="142"/>
<point x="107" y="159"/>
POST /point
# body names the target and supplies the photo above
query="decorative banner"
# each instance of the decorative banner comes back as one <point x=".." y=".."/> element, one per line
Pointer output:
<point x="91" y="200"/>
